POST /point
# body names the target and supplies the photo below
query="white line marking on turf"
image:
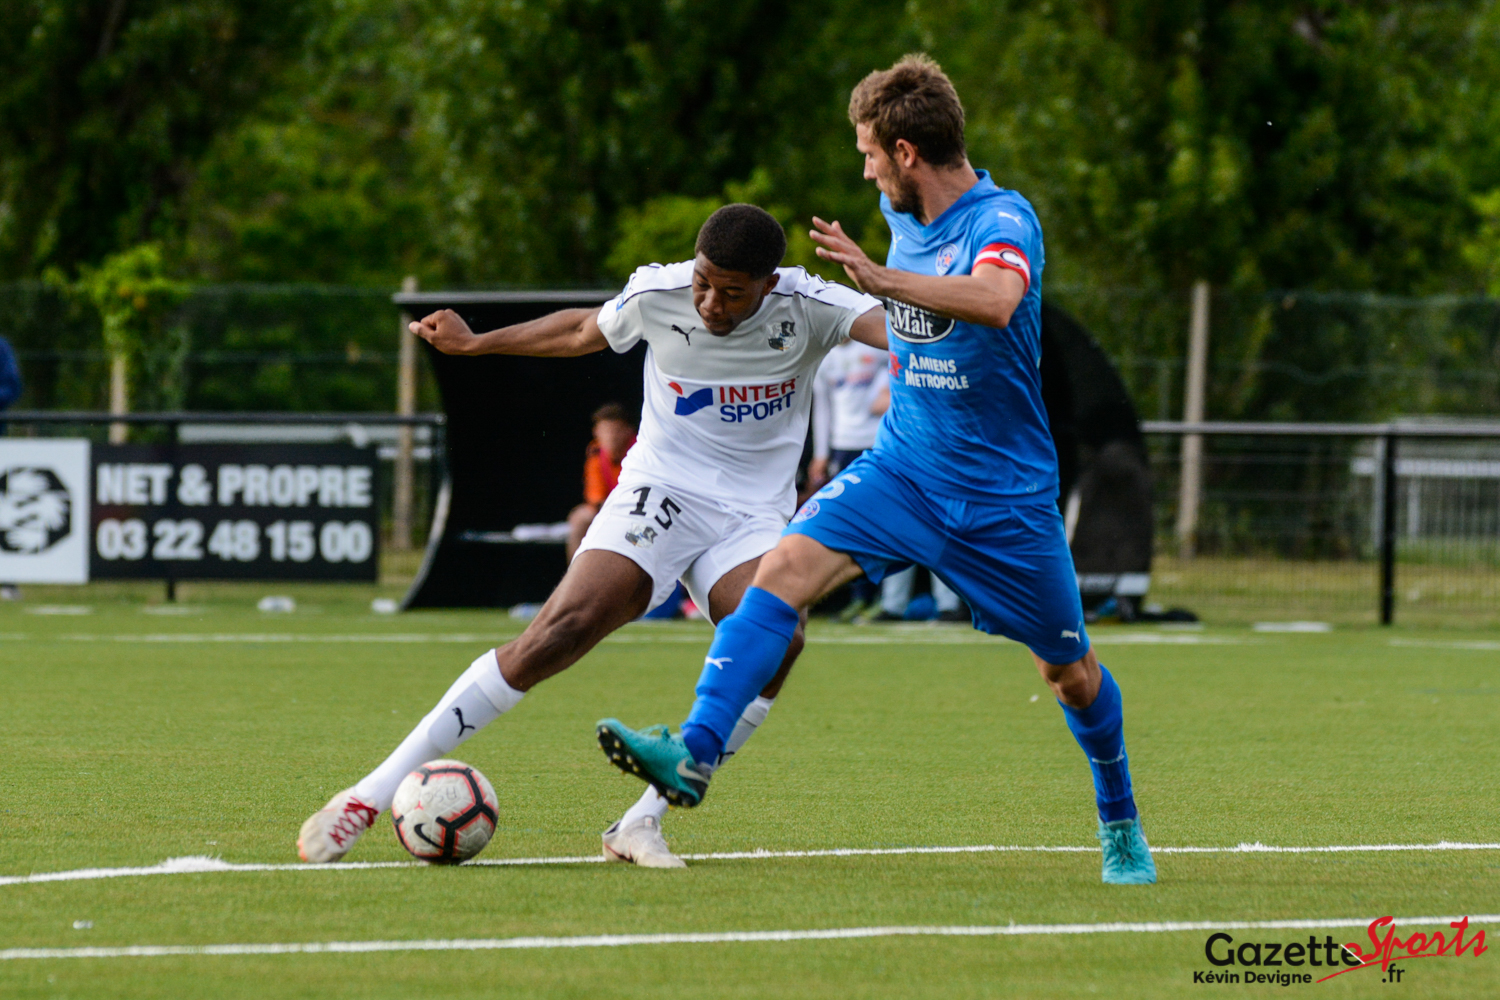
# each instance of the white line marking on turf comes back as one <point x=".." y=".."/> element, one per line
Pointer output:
<point x="722" y="937"/>
<point x="203" y="864"/>
<point x="919" y="635"/>
<point x="1485" y="645"/>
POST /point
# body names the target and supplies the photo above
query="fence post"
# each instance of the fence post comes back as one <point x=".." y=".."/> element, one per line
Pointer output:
<point x="406" y="405"/>
<point x="1190" y="485"/>
<point x="119" y="396"/>
<point x="1388" y="531"/>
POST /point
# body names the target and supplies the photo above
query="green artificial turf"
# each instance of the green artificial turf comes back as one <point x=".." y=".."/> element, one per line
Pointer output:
<point x="128" y="736"/>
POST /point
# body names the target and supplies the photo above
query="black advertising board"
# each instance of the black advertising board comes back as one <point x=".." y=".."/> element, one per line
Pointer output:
<point x="234" y="512"/>
<point x="516" y="434"/>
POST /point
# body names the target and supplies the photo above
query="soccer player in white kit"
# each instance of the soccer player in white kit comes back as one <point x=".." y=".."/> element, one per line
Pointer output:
<point x="734" y="342"/>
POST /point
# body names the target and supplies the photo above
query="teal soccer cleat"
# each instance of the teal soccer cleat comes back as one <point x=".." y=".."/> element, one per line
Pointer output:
<point x="657" y="757"/>
<point x="1127" y="856"/>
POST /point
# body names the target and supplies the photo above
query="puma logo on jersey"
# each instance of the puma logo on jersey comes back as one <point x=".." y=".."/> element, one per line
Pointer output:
<point x="686" y="334"/>
<point x="1068" y="634"/>
<point x="717" y="661"/>
<point x="461" y="724"/>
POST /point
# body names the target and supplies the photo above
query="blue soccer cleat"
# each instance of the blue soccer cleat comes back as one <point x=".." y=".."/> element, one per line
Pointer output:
<point x="657" y="757"/>
<point x="1127" y="856"/>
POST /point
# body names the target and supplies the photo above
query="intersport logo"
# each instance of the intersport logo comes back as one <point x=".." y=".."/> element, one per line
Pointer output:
<point x="737" y="403"/>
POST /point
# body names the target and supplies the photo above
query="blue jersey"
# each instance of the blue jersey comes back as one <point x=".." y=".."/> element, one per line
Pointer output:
<point x="966" y="417"/>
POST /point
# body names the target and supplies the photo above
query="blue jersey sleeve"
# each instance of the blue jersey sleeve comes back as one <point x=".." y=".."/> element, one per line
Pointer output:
<point x="1008" y="239"/>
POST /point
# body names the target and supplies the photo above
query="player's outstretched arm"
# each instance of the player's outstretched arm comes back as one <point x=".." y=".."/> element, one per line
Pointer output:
<point x="869" y="329"/>
<point x="566" y="333"/>
<point x="988" y="297"/>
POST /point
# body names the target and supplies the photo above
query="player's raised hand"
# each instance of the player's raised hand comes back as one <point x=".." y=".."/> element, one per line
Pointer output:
<point x="445" y="330"/>
<point x="836" y="245"/>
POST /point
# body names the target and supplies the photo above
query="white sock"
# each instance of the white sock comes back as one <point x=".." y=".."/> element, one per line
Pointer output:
<point x="652" y="804"/>
<point x="755" y="713"/>
<point x="649" y="804"/>
<point x="477" y="698"/>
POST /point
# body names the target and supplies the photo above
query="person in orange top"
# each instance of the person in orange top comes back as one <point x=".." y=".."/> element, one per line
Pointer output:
<point x="613" y="435"/>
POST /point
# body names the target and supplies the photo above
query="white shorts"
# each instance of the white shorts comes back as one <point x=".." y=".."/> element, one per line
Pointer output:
<point x="673" y="534"/>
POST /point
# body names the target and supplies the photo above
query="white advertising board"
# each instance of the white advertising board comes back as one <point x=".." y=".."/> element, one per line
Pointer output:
<point x="44" y="511"/>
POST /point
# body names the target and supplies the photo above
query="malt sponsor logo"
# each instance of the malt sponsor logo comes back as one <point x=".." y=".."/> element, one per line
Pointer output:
<point x="916" y="325"/>
<point x="1279" y="963"/>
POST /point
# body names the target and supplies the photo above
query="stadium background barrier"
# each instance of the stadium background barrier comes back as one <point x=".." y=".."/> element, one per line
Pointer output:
<point x="1342" y="522"/>
<point x="171" y="428"/>
<point x="1294" y="522"/>
<point x="1276" y="355"/>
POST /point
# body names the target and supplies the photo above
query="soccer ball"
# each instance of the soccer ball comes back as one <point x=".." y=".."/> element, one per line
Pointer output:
<point x="445" y="812"/>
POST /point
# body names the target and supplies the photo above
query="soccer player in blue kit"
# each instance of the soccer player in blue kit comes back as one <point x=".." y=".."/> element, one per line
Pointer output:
<point x="963" y="475"/>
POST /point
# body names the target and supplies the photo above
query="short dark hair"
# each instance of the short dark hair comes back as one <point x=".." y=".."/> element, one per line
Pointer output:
<point x="913" y="100"/>
<point x="611" y="411"/>
<point x="742" y="238"/>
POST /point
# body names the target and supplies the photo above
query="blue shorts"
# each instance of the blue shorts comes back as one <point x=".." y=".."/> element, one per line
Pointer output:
<point x="1009" y="562"/>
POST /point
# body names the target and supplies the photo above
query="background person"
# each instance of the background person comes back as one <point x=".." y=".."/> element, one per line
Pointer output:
<point x="850" y="394"/>
<point x="10" y="391"/>
<point x="614" y="433"/>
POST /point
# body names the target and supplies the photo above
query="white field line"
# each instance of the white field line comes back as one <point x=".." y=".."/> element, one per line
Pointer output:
<point x="722" y="937"/>
<point x="204" y="864"/>
<point x="919" y="636"/>
<point x="1484" y="645"/>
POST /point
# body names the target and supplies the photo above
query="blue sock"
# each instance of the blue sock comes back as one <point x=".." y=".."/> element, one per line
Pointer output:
<point x="747" y="650"/>
<point x="1100" y="730"/>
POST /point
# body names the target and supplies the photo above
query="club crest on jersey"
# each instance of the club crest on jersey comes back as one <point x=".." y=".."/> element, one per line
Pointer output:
<point x="783" y="340"/>
<point x="916" y="326"/>
<point x="641" y="536"/>
<point x="946" y="255"/>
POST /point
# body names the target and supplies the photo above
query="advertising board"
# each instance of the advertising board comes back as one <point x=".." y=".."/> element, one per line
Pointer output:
<point x="234" y="512"/>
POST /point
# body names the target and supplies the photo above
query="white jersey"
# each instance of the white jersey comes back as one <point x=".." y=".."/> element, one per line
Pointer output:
<point x="726" y="416"/>
<point x="844" y="393"/>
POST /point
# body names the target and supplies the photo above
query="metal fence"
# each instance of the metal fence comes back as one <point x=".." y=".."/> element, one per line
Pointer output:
<point x="1336" y="523"/>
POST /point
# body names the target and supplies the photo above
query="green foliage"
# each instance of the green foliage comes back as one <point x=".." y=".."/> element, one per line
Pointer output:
<point x="665" y="229"/>
<point x="133" y="299"/>
<point x="1260" y="144"/>
<point x="131" y="295"/>
<point x="222" y="347"/>
<point x="107" y="109"/>
<point x="1483" y="250"/>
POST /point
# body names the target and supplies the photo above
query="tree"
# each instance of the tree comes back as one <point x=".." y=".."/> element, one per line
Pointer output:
<point x="106" y="108"/>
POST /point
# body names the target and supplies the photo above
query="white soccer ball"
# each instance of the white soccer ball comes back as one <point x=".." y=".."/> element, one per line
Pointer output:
<point x="445" y="812"/>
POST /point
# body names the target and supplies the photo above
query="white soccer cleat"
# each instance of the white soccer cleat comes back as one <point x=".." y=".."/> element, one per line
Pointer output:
<point x="330" y="832"/>
<point x="640" y="842"/>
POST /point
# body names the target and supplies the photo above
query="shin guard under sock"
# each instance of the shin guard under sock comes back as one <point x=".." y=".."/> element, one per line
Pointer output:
<point x="1100" y="730"/>
<point x="747" y="650"/>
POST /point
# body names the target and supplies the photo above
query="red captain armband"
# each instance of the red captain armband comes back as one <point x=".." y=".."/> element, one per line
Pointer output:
<point x="1004" y="255"/>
